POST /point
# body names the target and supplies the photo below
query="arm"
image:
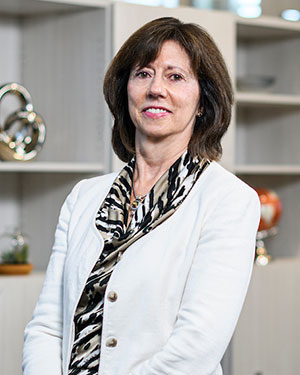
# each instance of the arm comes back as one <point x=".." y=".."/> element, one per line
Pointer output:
<point x="42" y="353"/>
<point x="215" y="290"/>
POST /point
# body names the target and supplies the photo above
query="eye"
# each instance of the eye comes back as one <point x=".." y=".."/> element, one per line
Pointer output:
<point x="142" y="74"/>
<point x="176" y="77"/>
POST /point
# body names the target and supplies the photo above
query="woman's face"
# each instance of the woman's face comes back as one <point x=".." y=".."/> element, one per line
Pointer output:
<point x="163" y="97"/>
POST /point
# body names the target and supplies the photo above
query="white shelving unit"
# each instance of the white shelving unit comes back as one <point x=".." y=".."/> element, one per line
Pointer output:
<point x="267" y="152"/>
<point x="59" y="52"/>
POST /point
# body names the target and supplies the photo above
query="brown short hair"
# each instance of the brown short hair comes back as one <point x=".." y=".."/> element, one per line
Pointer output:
<point x="216" y="96"/>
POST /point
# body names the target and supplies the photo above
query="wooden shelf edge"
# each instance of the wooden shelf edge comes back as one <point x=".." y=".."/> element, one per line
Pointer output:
<point x="268" y="22"/>
<point x="267" y="169"/>
<point x="44" y="167"/>
<point x="81" y="3"/>
<point x="13" y="8"/>
<point x="256" y="98"/>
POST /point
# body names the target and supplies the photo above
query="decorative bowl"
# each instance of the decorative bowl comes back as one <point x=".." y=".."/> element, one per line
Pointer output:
<point x="255" y="83"/>
<point x="16" y="269"/>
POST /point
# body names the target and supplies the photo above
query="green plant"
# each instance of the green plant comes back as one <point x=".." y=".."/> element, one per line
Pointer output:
<point x="18" y="253"/>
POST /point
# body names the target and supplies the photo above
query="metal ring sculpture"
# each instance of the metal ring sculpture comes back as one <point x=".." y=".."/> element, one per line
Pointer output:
<point x="22" y="142"/>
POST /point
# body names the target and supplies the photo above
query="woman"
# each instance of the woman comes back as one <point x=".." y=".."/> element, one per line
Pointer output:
<point x="150" y="267"/>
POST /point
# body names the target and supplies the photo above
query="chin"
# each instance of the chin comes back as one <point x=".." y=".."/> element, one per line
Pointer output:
<point x="153" y="132"/>
<point x="155" y="136"/>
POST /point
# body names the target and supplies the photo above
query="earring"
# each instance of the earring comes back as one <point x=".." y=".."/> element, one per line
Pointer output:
<point x="199" y="113"/>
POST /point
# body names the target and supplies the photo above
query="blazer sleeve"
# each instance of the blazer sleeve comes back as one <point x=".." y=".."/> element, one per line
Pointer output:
<point x="42" y="351"/>
<point x="215" y="289"/>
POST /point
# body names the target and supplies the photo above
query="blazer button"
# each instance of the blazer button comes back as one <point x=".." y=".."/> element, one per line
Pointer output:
<point x="111" y="342"/>
<point x="112" y="296"/>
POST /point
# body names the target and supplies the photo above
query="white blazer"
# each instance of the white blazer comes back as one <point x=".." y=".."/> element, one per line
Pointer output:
<point x="180" y="288"/>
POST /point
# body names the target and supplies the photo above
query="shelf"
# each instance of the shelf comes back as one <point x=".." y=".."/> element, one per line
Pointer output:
<point x="267" y="99"/>
<point x="265" y="27"/>
<point x="43" y="167"/>
<point x="32" y="7"/>
<point x="267" y="169"/>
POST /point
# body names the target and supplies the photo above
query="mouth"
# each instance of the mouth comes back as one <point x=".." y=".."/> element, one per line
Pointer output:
<point x="156" y="110"/>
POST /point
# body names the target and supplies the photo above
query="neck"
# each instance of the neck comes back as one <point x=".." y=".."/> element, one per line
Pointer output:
<point x="152" y="160"/>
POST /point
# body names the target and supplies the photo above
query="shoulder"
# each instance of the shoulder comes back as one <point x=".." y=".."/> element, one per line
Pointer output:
<point x="98" y="183"/>
<point x="94" y="184"/>
<point x="221" y="182"/>
<point x="222" y="191"/>
<point x="90" y="190"/>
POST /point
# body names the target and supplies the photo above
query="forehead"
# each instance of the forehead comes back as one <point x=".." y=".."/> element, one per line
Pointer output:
<point x="170" y="53"/>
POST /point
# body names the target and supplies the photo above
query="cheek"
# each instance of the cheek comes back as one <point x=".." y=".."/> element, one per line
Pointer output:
<point x="133" y="97"/>
<point x="133" y="91"/>
<point x="131" y="100"/>
<point x="189" y="96"/>
<point x="129" y="92"/>
<point x="190" y="101"/>
<point x="193" y="98"/>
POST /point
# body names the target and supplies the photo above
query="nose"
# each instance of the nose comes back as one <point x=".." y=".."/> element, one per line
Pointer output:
<point x="157" y="87"/>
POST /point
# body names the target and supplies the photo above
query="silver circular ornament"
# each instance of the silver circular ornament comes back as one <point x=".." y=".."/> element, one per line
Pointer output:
<point x="24" y="131"/>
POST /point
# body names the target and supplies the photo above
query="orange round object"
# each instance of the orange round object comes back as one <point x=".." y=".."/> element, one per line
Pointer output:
<point x="271" y="208"/>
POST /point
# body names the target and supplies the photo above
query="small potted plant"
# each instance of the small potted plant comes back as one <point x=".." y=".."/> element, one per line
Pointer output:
<point x="14" y="260"/>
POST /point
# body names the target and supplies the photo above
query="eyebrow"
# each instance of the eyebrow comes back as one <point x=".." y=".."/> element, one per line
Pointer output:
<point x="171" y="67"/>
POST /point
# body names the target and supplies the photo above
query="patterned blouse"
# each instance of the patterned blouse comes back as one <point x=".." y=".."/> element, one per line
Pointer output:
<point x="160" y="203"/>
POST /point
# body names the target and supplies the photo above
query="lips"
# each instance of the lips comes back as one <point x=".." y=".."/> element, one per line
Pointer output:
<point x="155" y="109"/>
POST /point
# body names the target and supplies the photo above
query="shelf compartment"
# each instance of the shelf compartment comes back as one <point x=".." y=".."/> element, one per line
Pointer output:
<point x="44" y="167"/>
<point x="268" y="136"/>
<point x="64" y="75"/>
<point x="286" y="243"/>
<point x="266" y="99"/>
<point x="267" y="57"/>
